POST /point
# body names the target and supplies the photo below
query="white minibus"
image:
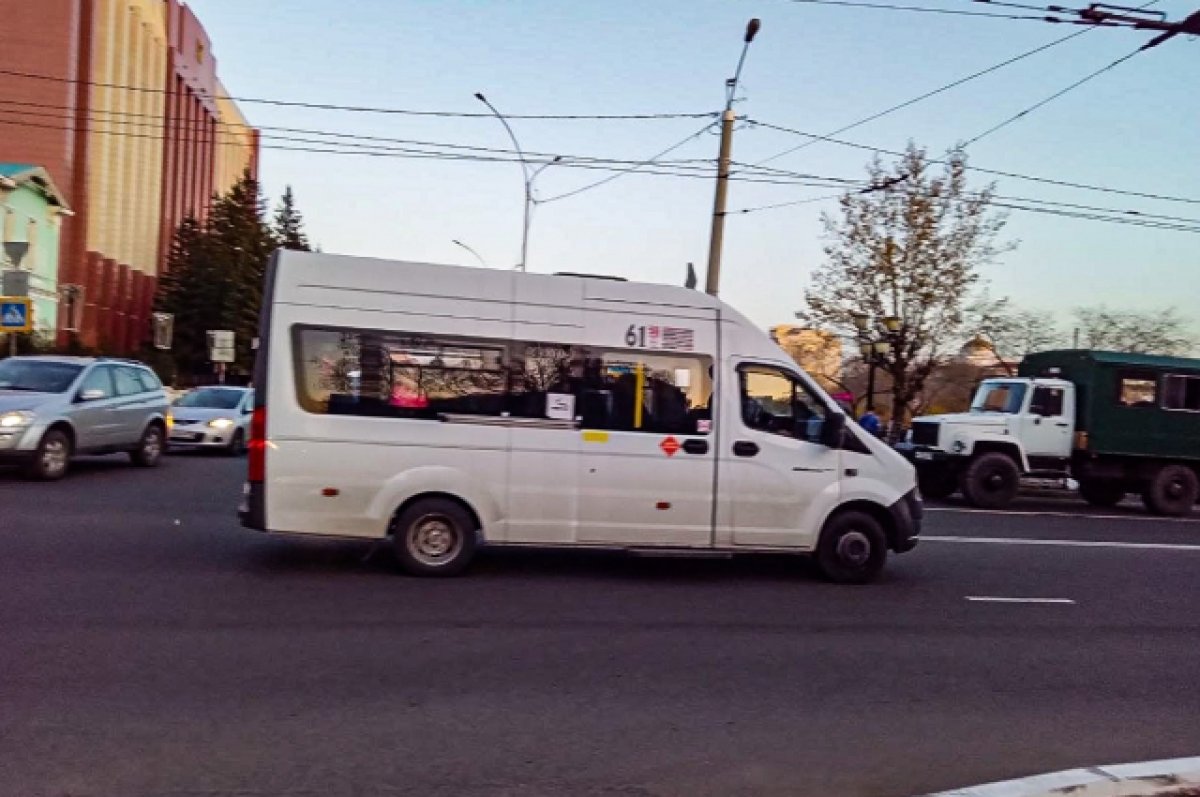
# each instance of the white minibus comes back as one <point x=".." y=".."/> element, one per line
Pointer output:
<point x="448" y="408"/>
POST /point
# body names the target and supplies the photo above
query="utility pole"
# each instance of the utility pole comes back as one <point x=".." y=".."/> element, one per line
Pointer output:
<point x="717" y="237"/>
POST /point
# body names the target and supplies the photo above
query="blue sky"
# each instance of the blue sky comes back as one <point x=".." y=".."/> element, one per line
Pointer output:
<point x="813" y="68"/>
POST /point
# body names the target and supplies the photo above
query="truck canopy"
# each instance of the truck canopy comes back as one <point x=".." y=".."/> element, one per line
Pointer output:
<point x="1129" y="404"/>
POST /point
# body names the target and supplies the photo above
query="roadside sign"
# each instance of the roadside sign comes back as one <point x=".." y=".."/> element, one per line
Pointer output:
<point x="164" y="329"/>
<point x="221" y="346"/>
<point x="16" y="314"/>
<point x="15" y="282"/>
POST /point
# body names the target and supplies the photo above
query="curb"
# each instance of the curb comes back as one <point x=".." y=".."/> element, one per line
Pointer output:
<point x="1165" y="777"/>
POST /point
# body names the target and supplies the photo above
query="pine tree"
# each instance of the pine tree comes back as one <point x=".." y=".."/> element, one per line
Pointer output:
<point x="288" y="226"/>
<point x="240" y="242"/>
<point x="214" y="277"/>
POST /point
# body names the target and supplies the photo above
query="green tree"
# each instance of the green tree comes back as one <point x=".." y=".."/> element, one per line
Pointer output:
<point x="911" y="248"/>
<point x="288" y="225"/>
<point x="214" y="277"/>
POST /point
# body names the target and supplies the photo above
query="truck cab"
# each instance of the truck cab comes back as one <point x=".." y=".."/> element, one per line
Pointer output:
<point x="1016" y="427"/>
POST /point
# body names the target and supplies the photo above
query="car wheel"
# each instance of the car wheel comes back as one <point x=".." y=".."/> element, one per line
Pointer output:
<point x="150" y="447"/>
<point x="991" y="481"/>
<point x="936" y="483"/>
<point x="1099" y="492"/>
<point x="52" y="458"/>
<point x="237" y="446"/>
<point x="852" y="549"/>
<point x="1172" y="491"/>
<point x="434" y="537"/>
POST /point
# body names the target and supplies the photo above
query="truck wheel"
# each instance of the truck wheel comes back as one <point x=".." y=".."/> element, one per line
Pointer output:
<point x="936" y="483"/>
<point x="1172" y="491"/>
<point x="1098" y="492"/>
<point x="991" y="481"/>
<point x="853" y="548"/>
<point x="434" y="537"/>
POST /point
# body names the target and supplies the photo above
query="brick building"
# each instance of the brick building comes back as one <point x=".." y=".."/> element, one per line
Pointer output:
<point x="119" y="100"/>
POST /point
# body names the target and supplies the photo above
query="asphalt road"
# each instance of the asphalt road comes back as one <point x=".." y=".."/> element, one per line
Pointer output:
<point x="150" y="646"/>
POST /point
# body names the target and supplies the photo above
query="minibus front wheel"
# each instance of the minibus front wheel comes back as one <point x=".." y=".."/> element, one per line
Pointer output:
<point x="434" y="537"/>
<point x="852" y="549"/>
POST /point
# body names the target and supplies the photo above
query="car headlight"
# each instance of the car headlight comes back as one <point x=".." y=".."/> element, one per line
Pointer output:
<point x="16" y="419"/>
<point x="220" y="423"/>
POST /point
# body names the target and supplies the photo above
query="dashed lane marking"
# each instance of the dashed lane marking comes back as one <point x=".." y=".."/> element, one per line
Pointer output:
<point x="997" y="599"/>
<point x="1054" y="513"/>
<point x="1148" y="546"/>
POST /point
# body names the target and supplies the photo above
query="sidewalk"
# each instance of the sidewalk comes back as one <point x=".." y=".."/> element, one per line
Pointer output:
<point x="1176" y="777"/>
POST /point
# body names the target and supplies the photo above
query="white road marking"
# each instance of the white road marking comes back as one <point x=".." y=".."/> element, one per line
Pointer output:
<point x="993" y="599"/>
<point x="1149" y="546"/>
<point x="1055" y="513"/>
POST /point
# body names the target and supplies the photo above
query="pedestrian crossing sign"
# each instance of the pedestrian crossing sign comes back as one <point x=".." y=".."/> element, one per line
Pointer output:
<point x="16" y="314"/>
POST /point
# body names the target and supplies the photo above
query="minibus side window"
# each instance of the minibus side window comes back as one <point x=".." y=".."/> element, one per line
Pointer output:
<point x="350" y="372"/>
<point x="602" y="386"/>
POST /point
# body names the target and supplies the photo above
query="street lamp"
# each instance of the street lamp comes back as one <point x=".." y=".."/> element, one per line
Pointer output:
<point x="875" y="342"/>
<point x="478" y="257"/>
<point x="526" y="174"/>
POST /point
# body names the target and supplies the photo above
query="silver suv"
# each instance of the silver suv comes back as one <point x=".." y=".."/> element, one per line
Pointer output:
<point x="54" y="407"/>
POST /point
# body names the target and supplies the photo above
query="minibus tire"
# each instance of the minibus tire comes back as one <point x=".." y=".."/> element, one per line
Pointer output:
<point x="841" y="555"/>
<point x="434" y="537"/>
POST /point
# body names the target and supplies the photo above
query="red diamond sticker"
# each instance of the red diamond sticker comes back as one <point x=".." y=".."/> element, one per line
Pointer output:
<point x="670" y="446"/>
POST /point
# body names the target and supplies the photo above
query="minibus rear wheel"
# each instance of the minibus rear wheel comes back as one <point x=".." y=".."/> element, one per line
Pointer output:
<point x="852" y="549"/>
<point x="434" y="537"/>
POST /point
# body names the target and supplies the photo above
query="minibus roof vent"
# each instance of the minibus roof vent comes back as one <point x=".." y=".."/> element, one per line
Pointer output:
<point x="608" y="277"/>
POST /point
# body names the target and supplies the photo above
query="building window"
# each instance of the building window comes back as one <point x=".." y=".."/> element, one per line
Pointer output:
<point x="1181" y="393"/>
<point x="1137" y="390"/>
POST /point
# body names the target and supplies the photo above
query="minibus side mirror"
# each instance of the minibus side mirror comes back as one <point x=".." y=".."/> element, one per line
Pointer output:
<point x="832" y="430"/>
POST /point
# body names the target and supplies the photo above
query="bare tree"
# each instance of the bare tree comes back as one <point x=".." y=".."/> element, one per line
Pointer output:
<point x="1011" y="333"/>
<point x="1160" y="332"/>
<point x="911" y="247"/>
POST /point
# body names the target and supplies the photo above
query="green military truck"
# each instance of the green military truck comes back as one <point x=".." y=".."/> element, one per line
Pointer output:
<point x="1115" y="423"/>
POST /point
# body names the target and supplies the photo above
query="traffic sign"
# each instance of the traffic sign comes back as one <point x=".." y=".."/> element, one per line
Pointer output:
<point x="16" y="314"/>
<point x="221" y="346"/>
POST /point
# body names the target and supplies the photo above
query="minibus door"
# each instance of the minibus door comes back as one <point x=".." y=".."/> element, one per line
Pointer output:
<point x="646" y="472"/>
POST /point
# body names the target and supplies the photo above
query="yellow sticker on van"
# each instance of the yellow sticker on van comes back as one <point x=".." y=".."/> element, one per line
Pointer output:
<point x="595" y="437"/>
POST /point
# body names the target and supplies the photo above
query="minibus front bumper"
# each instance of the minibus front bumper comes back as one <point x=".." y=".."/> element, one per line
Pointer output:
<point x="907" y="514"/>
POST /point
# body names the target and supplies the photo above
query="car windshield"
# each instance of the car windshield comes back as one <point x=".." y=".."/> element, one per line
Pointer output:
<point x="37" y="375"/>
<point x="211" y="398"/>
<point x="999" y="397"/>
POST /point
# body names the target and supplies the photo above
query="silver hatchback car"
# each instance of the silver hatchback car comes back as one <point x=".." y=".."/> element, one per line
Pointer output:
<point x="54" y="407"/>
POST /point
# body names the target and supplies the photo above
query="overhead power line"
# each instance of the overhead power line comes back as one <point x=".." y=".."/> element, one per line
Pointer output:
<point x="1068" y="89"/>
<point x="922" y="97"/>
<point x="339" y="148"/>
<point x="190" y="130"/>
<point x="980" y="169"/>
<point x="958" y="12"/>
<point x="322" y="106"/>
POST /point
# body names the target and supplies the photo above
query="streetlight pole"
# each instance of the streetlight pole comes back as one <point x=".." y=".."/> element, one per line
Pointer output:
<point x="528" y="177"/>
<point x="478" y="257"/>
<point x="717" y="236"/>
<point x="875" y="341"/>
